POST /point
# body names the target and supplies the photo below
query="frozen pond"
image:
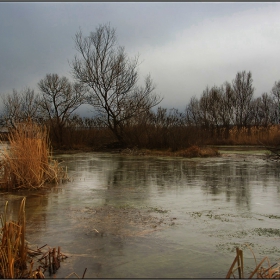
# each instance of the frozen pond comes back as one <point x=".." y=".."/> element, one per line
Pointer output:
<point x="156" y="217"/>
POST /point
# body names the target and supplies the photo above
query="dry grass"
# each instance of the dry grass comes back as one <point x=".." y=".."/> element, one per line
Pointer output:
<point x="260" y="271"/>
<point x="27" y="161"/>
<point x="251" y="136"/>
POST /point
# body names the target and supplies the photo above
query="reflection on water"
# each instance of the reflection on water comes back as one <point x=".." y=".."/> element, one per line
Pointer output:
<point x="153" y="217"/>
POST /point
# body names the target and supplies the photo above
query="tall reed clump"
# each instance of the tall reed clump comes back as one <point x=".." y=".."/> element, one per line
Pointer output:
<point x="27" y="161"/>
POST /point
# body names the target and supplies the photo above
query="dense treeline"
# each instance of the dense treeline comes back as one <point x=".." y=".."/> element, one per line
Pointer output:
<point x="124" y="112"/>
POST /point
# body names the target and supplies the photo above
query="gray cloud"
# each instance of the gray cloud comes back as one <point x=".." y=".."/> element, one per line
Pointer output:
<point x="184" y="46"/>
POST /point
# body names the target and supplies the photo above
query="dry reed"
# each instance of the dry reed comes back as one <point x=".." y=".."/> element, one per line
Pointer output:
<point x="269" y="135"/>
<point x="269" y="272"/>
<point x="13" y="249"/>
<point x="27" y="161"/>
<point x="16" y="259"/>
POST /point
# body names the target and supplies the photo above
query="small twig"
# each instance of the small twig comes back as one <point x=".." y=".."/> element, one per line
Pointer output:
<point x="84" y="273"/>
<point x="42" y="247"/>
<point x="44" y="255"/>
<point x="257" y="268"/>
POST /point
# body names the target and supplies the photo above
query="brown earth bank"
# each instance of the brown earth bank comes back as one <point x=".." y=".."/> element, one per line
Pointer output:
<point x="193" y="151"/>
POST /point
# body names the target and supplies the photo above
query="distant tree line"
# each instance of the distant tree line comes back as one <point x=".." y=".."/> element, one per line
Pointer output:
<point x="107" y="79"/>
<point x="233" y="104"/>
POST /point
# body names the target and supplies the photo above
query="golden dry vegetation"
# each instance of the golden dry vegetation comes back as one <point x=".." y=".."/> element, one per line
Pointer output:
<point x="17" y="260"/>
<point x="27" y="162"/>
<point x="264" y="269"/>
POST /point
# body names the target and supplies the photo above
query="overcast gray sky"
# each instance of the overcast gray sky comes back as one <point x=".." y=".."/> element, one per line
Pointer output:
<point x="184" y="46"/>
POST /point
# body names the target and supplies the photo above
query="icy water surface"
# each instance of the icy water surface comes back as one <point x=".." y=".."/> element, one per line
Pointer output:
<point x="156" y="217"/>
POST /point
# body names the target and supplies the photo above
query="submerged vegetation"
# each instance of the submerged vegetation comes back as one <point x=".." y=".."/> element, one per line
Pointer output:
<point x="27" y="161"/>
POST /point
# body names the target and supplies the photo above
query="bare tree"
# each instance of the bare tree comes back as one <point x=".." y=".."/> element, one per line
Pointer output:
<point x="215" y="100"/>
<point x="227" y="106"/>
<point x="276" y="98"/>
<point x="192" y="112"/>
<point x="204" y="106"/>
<point x="19" y="106"/>
<point x="60" y="98"/>
<point x="111" y="77"/>
<point x="266" y="109"/>
<point x="243" y="90"/>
